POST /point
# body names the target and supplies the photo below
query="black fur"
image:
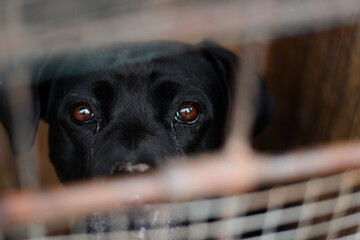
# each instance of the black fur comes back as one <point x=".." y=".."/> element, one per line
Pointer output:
<point x="134" y="92"/>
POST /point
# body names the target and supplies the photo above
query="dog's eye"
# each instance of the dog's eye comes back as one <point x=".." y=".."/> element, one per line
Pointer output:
<point x="82" y="114"/>
<point x="187" y="113"/>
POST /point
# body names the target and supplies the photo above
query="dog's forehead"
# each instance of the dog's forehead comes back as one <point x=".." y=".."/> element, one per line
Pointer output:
<point x="137" y="72"/>
<point x="145" y="52"/>
<point x="189" y="69"/>
<point x="144" y="79"/>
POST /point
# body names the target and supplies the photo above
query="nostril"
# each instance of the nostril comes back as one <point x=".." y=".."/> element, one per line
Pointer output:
<point x="127" y="168"/>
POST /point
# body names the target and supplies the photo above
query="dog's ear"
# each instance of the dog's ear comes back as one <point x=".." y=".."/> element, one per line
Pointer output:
<point x="226" y="64"/>
<point x="224" y="61"/>
<point x="20" y="109"/>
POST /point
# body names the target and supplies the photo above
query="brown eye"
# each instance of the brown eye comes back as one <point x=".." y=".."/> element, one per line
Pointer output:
<point x="188" y="113"/>
<point x="82" y="114"/>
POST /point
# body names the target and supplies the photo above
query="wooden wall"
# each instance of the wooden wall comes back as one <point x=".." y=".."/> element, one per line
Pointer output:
<point x="8" y="167"/>
<point x="7" y="163"/>
<point x="316" y="83"/>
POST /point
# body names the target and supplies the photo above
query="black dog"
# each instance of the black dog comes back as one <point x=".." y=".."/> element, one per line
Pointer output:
<point x="128" y="110"/>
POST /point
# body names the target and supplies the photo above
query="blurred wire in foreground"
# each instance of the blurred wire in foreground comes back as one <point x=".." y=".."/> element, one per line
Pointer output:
<point x="31" y="29"/>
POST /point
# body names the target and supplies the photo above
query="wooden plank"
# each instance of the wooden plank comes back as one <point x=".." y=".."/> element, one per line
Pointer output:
<point x="316" y="82"/>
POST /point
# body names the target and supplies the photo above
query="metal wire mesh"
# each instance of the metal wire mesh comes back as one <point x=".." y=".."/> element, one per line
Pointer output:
<point x="322" y="207"/>
<point x="319" y="208"/>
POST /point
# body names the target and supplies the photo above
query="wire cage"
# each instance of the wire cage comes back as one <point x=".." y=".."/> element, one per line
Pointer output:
<point x="239" y="192"/>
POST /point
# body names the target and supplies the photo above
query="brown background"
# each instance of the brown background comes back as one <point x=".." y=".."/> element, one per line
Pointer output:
<point x="316" y="83"/>
<point x="315" y="80"/>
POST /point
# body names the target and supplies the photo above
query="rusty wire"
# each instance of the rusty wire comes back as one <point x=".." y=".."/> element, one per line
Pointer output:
<point x="233" y="171"/>
<point x="230" y="22"/>
<point x="236" y="169"/>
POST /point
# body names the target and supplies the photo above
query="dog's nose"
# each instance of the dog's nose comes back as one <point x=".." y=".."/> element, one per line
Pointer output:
<point x="128" y="168"/>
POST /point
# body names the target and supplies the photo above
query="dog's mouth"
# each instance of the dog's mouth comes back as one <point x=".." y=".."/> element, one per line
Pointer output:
<point x="138" y="222"/>
<point x="128" y="168"/>
<point x="101" y="223"/>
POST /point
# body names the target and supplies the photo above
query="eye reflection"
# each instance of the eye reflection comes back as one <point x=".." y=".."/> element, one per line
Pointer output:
<point x="188" y="113"/>
<point x="82" y="113"/>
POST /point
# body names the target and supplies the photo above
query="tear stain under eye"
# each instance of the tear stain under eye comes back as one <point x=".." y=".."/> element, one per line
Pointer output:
<point x="92" y="151"/>
<point x="97" y="127"/>
<point x="175" y="138"/>
<point x="93" y="145"/>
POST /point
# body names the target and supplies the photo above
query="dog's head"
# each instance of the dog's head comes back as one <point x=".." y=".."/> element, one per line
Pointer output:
<point x="128" y="110"/>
